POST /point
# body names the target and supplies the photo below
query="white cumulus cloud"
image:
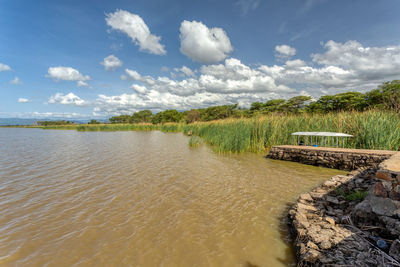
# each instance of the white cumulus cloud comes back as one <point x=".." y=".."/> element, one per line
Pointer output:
<point x="111" y="62"/>
<point x="340" y="67"/>
<point x="203" y="44"/>
<point x="139" y="88"/>
<point x="184" y="71"/>
<point x="284" y="51"/>
<point x="15" y="81"/>
<point x="133" y="75"/>
<point x="4" y="67"/>
<point x="134" y="26"/>
<point x="68" y="99"/>
<point x="365" y="62"/>
<point x="67" y="74"/>
<point x="23" y="100"/>
<point x="82" y="84"/>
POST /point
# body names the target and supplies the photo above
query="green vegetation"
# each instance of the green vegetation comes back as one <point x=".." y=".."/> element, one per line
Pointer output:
<point x="371" y="130"/>
<point x="93" y="122"/>
<point x="373" y="118"/>
<point x="356" y="195"/>
<point x="50" y="123"/>
<point x="195" y="141"/>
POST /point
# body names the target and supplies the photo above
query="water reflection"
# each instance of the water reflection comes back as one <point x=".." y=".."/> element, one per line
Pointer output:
<point x="141" y="199"/>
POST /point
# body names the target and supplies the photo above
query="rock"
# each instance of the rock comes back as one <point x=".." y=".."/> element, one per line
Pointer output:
<point x="379" y="190"/>
<point x="394" y="195"/>
<point x="394" y="250"/>
<point x="312" y="255"/>
<point x="325" y="244"/>
<point x="396" y="188"/>
<point x="312" y="245"/>
<point x="333" y="200"/>
<point x="391" y="224"/>
<point x="330" y="220"/>
<point x="387" y="185"/>
<point x="362" y="212"/>
<point x="329" y="183"/>
<point x="306" y="197"/>
<point x="302" y="221"/>
<point x="397" y="213"/>
<point x="380" y="174"/>
<point x="382" y="206"/>
<point x="305" y="207"/>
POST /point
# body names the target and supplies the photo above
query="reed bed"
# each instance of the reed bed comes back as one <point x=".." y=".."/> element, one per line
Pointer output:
<point x="371" y="130"/>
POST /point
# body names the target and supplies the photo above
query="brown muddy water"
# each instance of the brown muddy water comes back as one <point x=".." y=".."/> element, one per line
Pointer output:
<point x="141" y="199"/>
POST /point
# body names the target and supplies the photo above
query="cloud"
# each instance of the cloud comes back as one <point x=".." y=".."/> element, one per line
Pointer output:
<point x="134" y="26"/>
<point x="247" y="5"/>
<point x="82" y="84"/>
<point x="203" y="44"/>
<point x="133" y="75"/>
<point x="164" y="69"/>
<point x="4" y="67"/>
<point x="15" y="81"/>
<point x="340" y="67"/>
<point x="68" y="99"/>
<point x="368" y="63"/>
<point x="184" y="71"/>
<point x="67" y="74"/>
<point x="43" y="115"/>
<point x="220" y="84"/>
<point x="23" y="100"/>
<point x="139" y="88"/>
<point x="111" y="62"/>
<point x="284" y="51"/>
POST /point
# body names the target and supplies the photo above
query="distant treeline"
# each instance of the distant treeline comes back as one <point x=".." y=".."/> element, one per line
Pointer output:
<point x="50" y="123"/>
<point x="385" y="97"/>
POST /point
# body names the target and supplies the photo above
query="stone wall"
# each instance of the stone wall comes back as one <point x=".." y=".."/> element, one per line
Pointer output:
<point x="337" y="158"/>
<point x="350" y="220"/>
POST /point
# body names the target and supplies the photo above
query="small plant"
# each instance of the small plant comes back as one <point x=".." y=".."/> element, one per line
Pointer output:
<point x="195" y="141"/>
<point x="339" y="191"/>
<point x="356" y="195"/>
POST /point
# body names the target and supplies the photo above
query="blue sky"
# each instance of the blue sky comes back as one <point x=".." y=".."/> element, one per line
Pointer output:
<point x="81" y="59"/>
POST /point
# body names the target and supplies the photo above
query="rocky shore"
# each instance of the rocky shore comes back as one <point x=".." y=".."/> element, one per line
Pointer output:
<point x="351" y="219"/>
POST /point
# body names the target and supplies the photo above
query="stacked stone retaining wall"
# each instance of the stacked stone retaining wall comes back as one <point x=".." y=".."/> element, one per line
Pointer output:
<point x="350" y="220"/>
<point x="336" y="158"/>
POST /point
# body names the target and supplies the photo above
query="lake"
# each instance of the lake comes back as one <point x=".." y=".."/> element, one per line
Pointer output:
<point x="142" y="199"/>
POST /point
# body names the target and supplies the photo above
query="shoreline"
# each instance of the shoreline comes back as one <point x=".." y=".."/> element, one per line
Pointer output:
<point x="351" y="219"/>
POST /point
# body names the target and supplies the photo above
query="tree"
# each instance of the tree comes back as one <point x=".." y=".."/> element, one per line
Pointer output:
<point x="120" y="119"/>
<point x="142" y="116"/>
<point x="295" y="104"/>
<point x="59" y="122"/>
<point x="340" y="102"/>
<point x="374" y="99"/>
<point x="274" y="105"/>
<point x="217" y="112"/>
<point x="391" y="94"/>
<point x="93" y="122"/>
<point x="169" y="115"/>
<point x="193" y="115"/>
<point x="257" y="106"/>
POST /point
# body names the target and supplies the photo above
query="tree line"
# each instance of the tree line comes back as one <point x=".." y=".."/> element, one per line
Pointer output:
<point x="385" y="97"/>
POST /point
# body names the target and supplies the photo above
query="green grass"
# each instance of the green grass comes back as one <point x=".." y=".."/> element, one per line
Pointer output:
<point x="371" y="130"/>
<point x="357" y="195"/>
<point x="195" y="141"/>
